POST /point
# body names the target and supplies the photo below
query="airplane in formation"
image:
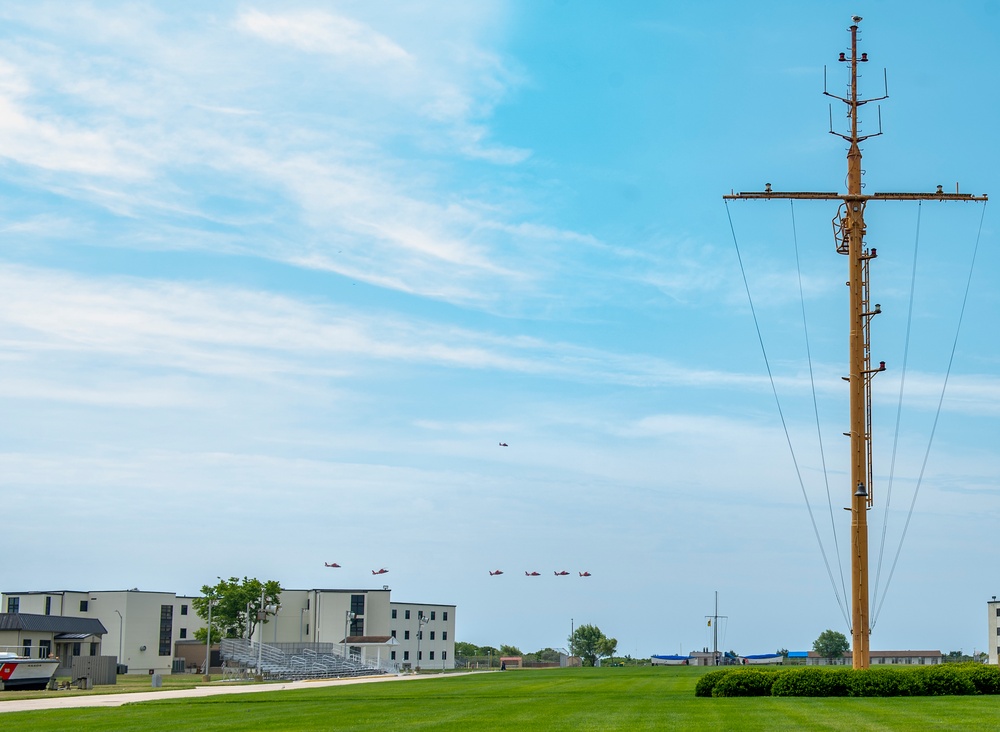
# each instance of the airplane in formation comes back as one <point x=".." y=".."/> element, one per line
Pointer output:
<point x="380" y="571"/>
<point x="584" y="574"/>
<point x="493" y="574"/>
<point x="532" y="574"/>
<point x="504" y="444"/>
<point x="331" y="564"/>
<point x="560" y="574"/>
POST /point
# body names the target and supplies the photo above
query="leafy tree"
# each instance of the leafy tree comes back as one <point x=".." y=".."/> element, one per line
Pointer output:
<point x="510" y="651"/>
<point x="236" y="603"/>
<point x="466" y="649"/>
<point x="782" y="652"/>
<point x="547" y="655"/>
<point x="590" y="643"/>
<point x="831" y="644"/>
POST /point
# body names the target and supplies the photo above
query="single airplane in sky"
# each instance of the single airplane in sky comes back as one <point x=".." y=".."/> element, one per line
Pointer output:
<point x="560" y="574"/>
<point x="493" y="574"/>
<point x="331" y="564"/>
<point x="504" y="444"/>
<point x="380" y="571"/>
<point x="532" y="574"/>
<point x="584" y="574"/>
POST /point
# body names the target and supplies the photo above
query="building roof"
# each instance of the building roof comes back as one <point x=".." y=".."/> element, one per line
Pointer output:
<point x="51" y="623"/>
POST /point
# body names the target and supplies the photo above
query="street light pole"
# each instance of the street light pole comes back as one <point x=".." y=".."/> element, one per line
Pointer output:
<point x="208" y="641"/>
<point x="348" y="617"/>
<point x="422" y="620"/>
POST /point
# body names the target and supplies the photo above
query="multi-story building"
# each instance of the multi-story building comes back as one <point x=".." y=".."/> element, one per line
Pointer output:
<point x="144" y="627"/>
<point x="993" y="629"/>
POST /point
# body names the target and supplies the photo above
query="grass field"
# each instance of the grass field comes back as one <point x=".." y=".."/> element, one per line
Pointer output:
<point x="557" y="699"/>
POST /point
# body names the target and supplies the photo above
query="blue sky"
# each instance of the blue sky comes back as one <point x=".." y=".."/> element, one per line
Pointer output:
<point x="278" y="278"/>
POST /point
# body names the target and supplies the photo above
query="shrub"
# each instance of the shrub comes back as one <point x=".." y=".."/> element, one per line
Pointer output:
<point x="945" y="680"/>
<point x="812" y="682"/>
<point x="986" y="679"/>
<point x="707" y="682"/>
<point x="879" y="682"/>
<point x="745" y="682"/>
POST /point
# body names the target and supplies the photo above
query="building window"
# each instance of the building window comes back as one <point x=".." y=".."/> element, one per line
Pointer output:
<point x="393" y="634"/>
<point x="166" y="628"/>
<point x="406" y="635"/>
<point x="358" y="604"/>
<point x="420" y="655"/>
<point x="84" y="605"/>
<point x="44" y="648"/>
<point x="432" y="615"/>
<point x="27" y="648"/>
<point x="48" y="606"/>
<point x="444" y="655"/>
<point x="431" y="657"/>
<point x="392" y="656"/>
<point x="444" y="635"/>
<point x="444" y="615"/>
<point x="184" y="609"/>
<point x="406" y="655"/>
<point x="184" y="633"/>
<point x="394" y="613"/>
<point x="432" y="635"/>
<point x="76" y="649"/>
<point x="13" y="603"/>
<point x="358" y="627"/>
<point x="307" y="628"/>
<point x="406" y="614"/>
<point x="93" y="649"/>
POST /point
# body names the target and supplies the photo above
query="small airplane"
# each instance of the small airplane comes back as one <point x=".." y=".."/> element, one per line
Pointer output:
<point x="561" y="574"/>
<point x="331" y="564"/>
<point x="504" y="444"/>
<point x="494" y="574"/>
<point x="584" y="574"/>
<point x="380" y="571"/>
<point x="532" y="574"/>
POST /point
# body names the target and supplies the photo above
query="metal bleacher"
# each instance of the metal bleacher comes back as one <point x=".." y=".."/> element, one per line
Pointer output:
<point x="294" y="661"/>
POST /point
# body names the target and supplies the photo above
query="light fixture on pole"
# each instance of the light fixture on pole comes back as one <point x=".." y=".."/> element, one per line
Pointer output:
<point x="348" y="617"/>
<point x="262" y="614"/>
<point x="422" y="620"/>
<point x="210" y="599"/>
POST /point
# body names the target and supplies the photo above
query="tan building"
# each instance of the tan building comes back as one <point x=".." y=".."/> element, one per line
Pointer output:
<point x="993" y="629"/>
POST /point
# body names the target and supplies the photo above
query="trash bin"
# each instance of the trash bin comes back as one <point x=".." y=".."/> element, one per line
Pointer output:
<point x="157" y="681"/>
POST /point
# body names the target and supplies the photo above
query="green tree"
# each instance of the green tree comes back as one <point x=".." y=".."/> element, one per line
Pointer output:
<point x="235" y="606"/>
<point x="590" y="644"/>
<point x="466" y="650"/>
<point x="547" y="655"/>
<point x="510" y="651"/>
<point x="831" y="644"/>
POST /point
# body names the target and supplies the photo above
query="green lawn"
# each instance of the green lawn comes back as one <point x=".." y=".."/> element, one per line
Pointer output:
<point x="558" y="699"/>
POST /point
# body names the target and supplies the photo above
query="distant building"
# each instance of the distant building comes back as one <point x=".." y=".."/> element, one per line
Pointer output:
<point x="880" y="658"/>
<point x="45" y="636"/>
<point x="143" y="629"/>
<point x="993" y="626"/>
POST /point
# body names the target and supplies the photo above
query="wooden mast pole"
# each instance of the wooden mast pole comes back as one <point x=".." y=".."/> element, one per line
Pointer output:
<point x="850" y="241"/>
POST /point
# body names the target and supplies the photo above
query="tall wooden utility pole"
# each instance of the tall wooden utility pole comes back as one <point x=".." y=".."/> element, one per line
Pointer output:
<point x="849" y="226"/>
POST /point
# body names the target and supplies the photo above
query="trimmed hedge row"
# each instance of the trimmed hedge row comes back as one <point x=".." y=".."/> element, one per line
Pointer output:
<point x="953" y="679"/>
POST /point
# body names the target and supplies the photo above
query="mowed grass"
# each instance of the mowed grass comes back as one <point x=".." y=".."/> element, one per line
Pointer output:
<point x="557" y="699"/>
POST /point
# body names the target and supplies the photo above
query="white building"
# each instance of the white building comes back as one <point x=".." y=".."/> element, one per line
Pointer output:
<point x="993" y="625"/>
<point x="143" y="627"/>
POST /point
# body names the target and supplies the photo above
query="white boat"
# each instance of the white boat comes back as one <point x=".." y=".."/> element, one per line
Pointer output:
<point x="21" y="672"/>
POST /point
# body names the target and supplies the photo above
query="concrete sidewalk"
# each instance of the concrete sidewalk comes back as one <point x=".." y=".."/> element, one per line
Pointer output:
<point x="117" y="700"/>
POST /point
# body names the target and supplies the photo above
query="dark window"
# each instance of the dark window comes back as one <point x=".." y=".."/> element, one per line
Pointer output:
<point x="406" y="635"/>
<point x="420" y="614"/>
<point x="184" y="609"/>
<point x="432" y="615"/>
<point x="166" y="628"/>
<point x="393" y="634"/>
<point x="392" y="656"/>
<point x="27" y="647"/>
<point x="307" y="603"/>
<point x="406" y="655"/>
<point x="48" y="606"/>
<point x="13" y="603"/>
<point x="444" y="615"/>
<point x="358" y="604"/>
<point x="358" y="626"/>
<point x="406" y="615"/>
<point x="183" y="633"/>
<point x="998" y="612"/>
<point x="444" y="655"/>
<point x="307" y="628"/>
<point x="44" y="648"/>
<point x="431" y="657"/>
<point x="420" y="634"/>
<point x="432" y="635"/>
<point x="394" y="613"/>
<point x="444" y="635"/>
<point x="93" y="649"/>
<point x="76" y="649"/>
<point x="84" y="605"/>
<point x="420" y="655"/>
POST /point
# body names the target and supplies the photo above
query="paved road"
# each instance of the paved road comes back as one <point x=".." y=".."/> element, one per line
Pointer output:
<point x="117" y="700"/>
